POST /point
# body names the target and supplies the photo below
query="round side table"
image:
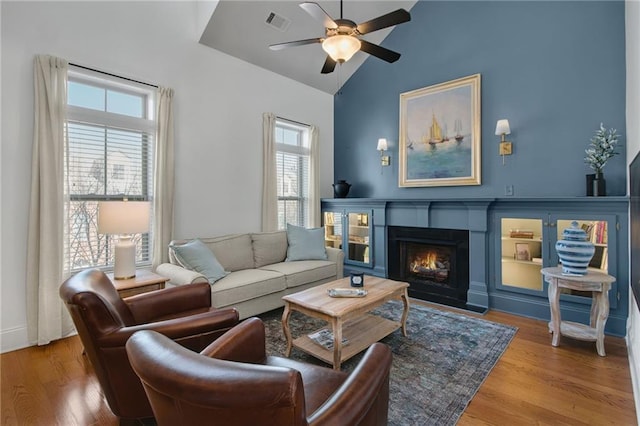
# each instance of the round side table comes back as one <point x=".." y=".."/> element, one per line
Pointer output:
<point x="598" y="283"/>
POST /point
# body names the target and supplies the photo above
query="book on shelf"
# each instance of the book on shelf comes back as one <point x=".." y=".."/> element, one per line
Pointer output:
<point x="521" y="233"/>
<point x="604" y="264"/>
<point x="328" y="219"/>
<point x="324" y="338"/>
<point x="588" y="229"/>
<point x="598" y="232"/>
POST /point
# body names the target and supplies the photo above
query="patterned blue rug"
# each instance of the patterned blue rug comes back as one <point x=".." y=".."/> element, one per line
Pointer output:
<point x="436" y="370"/>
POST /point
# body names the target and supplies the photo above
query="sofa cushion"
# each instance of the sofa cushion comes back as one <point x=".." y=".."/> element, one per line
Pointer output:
<point x="196" y="256"/>
<point x="234" y="252"/>
<point x="305" y="244"/>
<point x="269" y="247"/>
<point x="303" y="271"/>
<point x="245" y="285"/>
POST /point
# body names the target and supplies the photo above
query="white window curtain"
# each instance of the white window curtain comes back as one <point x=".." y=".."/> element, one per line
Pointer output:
<point x="47" y="317"/>
<point x="269" y="175"/>
<point x="314" y="181"/>
<point x="163" y="178"/>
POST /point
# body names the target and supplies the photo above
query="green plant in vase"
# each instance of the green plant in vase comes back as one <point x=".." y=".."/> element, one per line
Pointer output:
<point x="602" y="147"/>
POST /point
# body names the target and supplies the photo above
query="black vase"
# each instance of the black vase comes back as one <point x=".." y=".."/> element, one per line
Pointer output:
<point x="590" y="184"/>
<point x="596" y="185"/>
<point x="341" y="188"/>
<point x="599" y="185"/>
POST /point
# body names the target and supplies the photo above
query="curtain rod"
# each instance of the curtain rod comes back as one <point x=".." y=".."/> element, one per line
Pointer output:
<point x="112" y="75"/>
<point x="292" y="121"/>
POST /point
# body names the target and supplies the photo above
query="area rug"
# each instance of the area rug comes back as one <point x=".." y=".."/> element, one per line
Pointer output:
<point x="436" y="370"/>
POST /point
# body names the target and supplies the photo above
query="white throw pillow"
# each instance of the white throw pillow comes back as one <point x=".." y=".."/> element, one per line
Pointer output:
<point x="305" y="244"/>
<point x="196" y="256"/>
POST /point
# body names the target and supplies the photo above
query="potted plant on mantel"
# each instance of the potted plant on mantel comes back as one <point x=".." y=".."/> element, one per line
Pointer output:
<point x="602" y="147"/>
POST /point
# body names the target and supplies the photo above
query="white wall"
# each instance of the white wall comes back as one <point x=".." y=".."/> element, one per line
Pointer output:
<point x="218" y="107"/>
<point x="632" y="25"/>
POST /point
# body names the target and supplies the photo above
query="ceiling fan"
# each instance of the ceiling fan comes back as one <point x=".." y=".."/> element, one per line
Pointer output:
<point x="342" y="39"/>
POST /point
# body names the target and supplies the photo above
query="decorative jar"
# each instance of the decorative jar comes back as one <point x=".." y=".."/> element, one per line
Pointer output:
<point x="574" y="250"/>
<point x="341" y="188"/>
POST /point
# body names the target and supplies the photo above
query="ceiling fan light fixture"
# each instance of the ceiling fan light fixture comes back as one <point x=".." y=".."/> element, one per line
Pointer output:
<point x="341" y="47"/>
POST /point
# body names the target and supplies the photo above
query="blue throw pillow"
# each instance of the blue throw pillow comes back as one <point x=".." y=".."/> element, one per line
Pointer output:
<point x="195" y="255"/>
<point x="305" y="244"/>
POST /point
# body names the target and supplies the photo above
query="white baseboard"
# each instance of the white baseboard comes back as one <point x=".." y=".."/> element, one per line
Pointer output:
<point x="634" y="367"/>
<point x="633" y="351"/>
<point x="12" y="339"/>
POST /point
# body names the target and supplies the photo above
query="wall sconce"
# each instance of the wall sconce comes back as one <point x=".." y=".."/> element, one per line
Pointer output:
<point x="385" y="160"/>
<point x="502" y="129"/>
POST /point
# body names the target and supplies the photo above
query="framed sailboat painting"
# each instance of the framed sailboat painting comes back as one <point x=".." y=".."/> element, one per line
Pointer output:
<point x="440" y="134"/>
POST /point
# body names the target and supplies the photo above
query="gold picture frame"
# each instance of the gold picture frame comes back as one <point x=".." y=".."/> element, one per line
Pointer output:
<point x="440" y="134"/>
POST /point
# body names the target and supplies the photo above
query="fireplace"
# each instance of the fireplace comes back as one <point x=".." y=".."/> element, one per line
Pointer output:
<point x="434" y="261"/>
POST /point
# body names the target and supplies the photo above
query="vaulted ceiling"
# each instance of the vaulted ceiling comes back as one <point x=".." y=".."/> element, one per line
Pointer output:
<point x="240" y="29"/>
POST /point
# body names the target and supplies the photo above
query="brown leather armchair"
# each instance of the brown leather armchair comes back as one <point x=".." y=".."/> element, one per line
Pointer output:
<point x="233" y="382"/>
<point x="104" y="322"/>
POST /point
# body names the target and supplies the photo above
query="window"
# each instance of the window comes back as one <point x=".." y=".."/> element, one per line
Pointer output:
<point x="293" y="158"/>
<point x="110" y="135"/>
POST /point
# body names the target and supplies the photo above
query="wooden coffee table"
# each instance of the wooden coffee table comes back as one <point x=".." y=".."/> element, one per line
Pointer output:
<point x="348" y="317"/>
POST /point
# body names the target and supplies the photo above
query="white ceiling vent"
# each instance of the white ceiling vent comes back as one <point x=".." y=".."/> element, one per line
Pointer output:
<point x="278" y="22"/>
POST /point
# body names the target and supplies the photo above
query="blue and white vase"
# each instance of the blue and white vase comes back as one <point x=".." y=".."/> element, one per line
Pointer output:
<point x="574" y="250"/>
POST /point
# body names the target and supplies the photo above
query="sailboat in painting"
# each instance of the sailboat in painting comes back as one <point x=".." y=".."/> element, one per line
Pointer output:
<point x="458" y="130"/>
<point x="436" y="135"/>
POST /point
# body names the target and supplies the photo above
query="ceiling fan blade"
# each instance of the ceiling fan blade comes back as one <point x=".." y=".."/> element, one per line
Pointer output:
<point x="281" y="46"/>
<point x="329" y="66"/>
<point x="318" y="13"/>
<point x="379" y="51"/>
<point x="399" y="16"/>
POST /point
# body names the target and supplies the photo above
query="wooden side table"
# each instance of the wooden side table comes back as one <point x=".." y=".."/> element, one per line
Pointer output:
<point x="143" y="282"/>
<point x="598" y="283"/>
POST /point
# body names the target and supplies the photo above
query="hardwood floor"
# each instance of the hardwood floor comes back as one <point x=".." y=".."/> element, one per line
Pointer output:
<point x="532" y="384"/>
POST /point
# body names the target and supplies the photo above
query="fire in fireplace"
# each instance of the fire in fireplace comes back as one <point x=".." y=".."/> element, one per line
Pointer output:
<point x="431" y="263"/>
<point x="435" y="262"/>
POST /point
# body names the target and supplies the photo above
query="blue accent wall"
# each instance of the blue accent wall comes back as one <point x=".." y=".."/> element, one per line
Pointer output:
<point x="554" y="69"/>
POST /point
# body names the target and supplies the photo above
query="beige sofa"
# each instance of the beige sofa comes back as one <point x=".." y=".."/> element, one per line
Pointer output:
<point x="259" y="275"/>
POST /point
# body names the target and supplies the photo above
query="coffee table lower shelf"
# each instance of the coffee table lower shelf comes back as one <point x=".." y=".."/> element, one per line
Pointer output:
<point x="359" y="332"/>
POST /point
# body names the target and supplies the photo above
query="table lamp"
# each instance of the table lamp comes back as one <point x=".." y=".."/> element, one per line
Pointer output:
<point x="123" y="218"/>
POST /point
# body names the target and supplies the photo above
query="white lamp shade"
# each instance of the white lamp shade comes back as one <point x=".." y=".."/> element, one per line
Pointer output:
<point x="382" y="144"/>
<point x="502" y="127"/>
<point x="341" y="47"/>
<point x="123" y="217"/>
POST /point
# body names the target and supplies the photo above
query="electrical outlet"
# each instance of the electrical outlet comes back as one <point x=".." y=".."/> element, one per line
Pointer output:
<point x="508" y="190"/>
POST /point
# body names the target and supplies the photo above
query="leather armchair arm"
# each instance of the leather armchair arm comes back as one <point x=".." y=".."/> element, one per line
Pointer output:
<point x="177" y="328"/>
<point x="147" y="307"/>
<point x="353" y="400"/>
<point x="243" y="343"/>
